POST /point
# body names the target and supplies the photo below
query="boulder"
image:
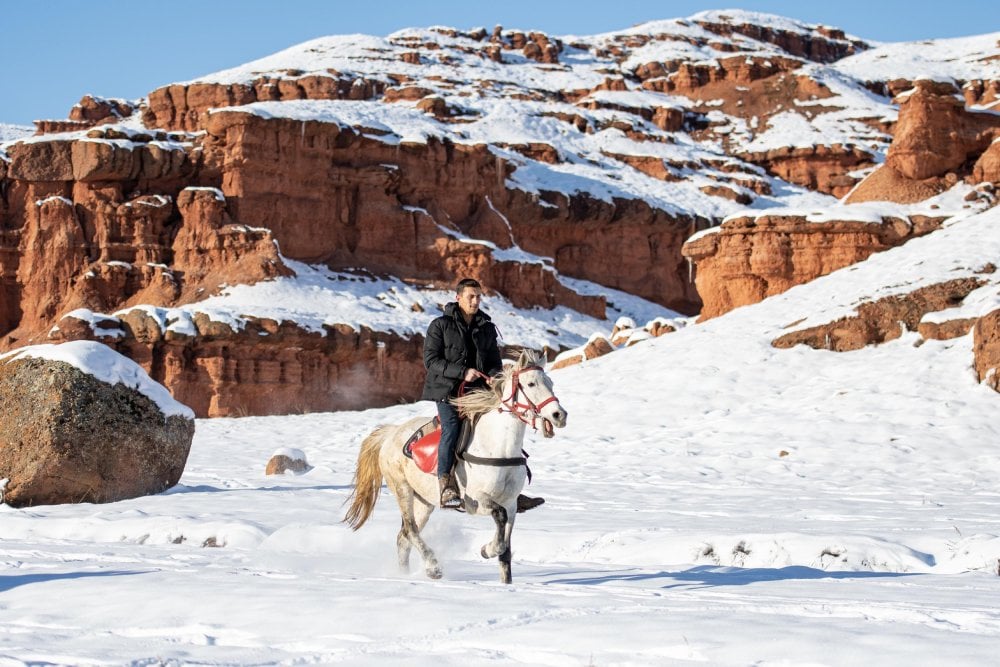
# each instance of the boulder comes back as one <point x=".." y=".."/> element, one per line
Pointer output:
<point x="81" y="423"/>
<point x="285" y="460"/>
<point x="986" y="349"/>
<point x="597" y="346"/>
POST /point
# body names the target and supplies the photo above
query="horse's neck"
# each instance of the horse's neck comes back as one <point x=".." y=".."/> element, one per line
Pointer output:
<point x="498" y="434"/>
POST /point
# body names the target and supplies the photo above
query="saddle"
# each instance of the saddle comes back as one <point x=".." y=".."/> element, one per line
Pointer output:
<point x="422" y="446"/>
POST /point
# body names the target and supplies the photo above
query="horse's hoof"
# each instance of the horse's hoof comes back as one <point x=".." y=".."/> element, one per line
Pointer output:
<point x="434" y="573"/>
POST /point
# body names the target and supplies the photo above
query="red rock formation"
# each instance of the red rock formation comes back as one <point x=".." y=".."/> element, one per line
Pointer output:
<point x="987" y="167"/>
<point x="267" y="367"/>
<point x="753" y="87"/>
<point x="333" y="196"/>
<point x="986" y="349"/>
<point x="882" y="320"/>
<point x="328" y="195"/>
<point x="823" y="44"/>
<point x="185" y="106"/>
<point x="822" y="168"/>
<point x="935" y="134"/>
<point x="751" y="258"/>
<point x="598" y="346"/>
<point x="72" y="238"/>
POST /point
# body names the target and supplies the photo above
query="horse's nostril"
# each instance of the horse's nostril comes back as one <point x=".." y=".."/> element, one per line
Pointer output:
<point x="557" y="415"/>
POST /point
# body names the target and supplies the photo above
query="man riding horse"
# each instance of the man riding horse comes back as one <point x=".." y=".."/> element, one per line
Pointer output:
<point x="460" y="350"/>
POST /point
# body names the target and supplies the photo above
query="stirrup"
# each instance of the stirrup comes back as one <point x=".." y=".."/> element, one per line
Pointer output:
<point x="450" y="501"/>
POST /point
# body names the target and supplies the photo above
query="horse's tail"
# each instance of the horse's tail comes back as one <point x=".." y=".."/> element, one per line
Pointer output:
<point x="367" y="480"/>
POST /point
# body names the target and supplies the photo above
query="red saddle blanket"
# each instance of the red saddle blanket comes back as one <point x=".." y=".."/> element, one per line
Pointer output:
<point x="422" y="446"/>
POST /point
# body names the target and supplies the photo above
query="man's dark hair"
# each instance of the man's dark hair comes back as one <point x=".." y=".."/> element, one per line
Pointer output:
<point x="467" y="282"/>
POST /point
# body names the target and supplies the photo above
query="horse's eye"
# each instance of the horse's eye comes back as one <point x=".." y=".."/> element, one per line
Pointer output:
<point x="531" y="384"/>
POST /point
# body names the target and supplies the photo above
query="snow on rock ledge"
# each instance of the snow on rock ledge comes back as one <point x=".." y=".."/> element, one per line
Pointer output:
<point x="82" y="423"/>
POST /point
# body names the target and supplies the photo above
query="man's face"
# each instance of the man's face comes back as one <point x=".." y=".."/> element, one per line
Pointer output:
<point x="469" y="299"/>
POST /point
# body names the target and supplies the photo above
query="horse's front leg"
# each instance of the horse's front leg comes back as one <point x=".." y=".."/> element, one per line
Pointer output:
<point x="505" y="554"/>
<point x="500" y="546"/>
<point x="497" y="546"/>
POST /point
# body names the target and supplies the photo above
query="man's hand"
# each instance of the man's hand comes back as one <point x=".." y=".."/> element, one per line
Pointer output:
<point x="471" y="375"/>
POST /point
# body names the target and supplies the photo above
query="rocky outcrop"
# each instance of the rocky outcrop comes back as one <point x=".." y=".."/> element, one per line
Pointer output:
<point x="88" y="247"/>
<point x="185" y="106"/>
<point x="822" y="44"/>
<point x="882" y="320"/>
<point x="751" y="258"/>
<point x="987" y="167"/>
<point x="986" y="349"/>
<point x="597" y="346"/>
<point x="264" y="367"/>
<point x="333" y="196"/>
<point x="823" y="168"/>
<point x="935" y="133"/>
<point x="756" y="88"/>
<point x="936" y="142"/>
<point x="67" y="437"/>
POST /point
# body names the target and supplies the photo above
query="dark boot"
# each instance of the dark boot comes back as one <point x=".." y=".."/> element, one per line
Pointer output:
<point x="525" y="503"/>
<point x="449" y="492"/>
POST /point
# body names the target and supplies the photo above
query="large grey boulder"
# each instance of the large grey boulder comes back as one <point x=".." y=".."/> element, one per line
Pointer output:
<point x="81" y="423"/>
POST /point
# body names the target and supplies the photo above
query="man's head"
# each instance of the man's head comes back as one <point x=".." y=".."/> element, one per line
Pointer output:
<point x="468" y="293"/>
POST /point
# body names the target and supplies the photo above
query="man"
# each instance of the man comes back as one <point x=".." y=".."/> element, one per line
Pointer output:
<point x="460" y="346"/>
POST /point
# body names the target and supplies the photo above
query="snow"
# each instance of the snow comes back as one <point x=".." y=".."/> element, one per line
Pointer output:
<point x="10" y="132"/>
<point x="713" y="500"/>
<point x="107" y="366"/>
<point x="961" y="58"/>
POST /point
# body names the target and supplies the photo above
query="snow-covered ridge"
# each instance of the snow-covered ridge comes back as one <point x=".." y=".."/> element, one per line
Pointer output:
<point x="959" y="58"/>
<point x="14" y="132"/>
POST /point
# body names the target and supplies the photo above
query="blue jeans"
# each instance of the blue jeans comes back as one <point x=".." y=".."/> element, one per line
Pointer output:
<point x="451" y="427"/>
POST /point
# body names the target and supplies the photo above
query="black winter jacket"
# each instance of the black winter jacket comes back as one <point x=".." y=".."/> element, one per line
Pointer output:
<point x="445" y="351"/>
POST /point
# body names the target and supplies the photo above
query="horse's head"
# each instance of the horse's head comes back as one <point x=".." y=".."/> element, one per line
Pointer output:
<point x="531" y="390"/>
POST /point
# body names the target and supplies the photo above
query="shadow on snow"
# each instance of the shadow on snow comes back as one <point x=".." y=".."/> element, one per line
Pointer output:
<point x="9" y="582"/>
<point x="704" y="576"/>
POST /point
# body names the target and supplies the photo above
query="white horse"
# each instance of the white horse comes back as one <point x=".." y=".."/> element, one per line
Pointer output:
<point x="491" y="472"/>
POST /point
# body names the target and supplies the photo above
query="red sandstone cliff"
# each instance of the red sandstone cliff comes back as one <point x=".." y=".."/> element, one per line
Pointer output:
<point x="122" y="217"/>
<point x="751" y="258"/>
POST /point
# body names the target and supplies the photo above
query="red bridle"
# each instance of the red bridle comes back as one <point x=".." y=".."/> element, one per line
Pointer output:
<point x="523" y="410"/>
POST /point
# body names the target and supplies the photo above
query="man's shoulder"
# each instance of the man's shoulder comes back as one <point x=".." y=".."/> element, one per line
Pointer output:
<point x="441" y="322"/>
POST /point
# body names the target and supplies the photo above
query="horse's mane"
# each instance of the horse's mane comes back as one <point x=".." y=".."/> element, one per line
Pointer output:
<point x="480" y="401"/>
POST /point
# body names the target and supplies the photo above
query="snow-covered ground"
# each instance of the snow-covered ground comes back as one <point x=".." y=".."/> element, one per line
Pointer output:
<point x="713" y="500"/>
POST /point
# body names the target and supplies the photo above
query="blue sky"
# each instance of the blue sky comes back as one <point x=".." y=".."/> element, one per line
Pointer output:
<point x="55" y="51"/>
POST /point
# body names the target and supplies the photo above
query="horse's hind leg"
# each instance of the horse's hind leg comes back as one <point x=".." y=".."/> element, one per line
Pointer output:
<point x="403" y="548"/>
<point x="415" y="513"/>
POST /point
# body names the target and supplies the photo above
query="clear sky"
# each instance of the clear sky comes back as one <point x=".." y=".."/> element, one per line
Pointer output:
<point x="55" y="51"/>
